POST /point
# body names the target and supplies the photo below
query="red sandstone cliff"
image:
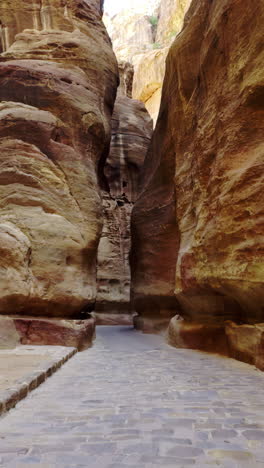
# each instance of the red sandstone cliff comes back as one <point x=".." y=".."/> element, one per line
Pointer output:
<point x="198" y="224"/>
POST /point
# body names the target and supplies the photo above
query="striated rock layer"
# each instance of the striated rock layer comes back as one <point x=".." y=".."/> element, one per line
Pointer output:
<point x="131" y="132"/>
<point x="58" y="78"/>
<point x="198" y="225"/>
<point x="150" y="66"/>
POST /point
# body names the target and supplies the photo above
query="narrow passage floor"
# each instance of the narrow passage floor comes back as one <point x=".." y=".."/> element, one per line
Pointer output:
<point x="132" y="401"/>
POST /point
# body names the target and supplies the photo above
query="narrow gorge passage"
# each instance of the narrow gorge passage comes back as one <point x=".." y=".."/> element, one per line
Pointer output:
<point x="131" y="189"/>
<point x="133" y="401"/>
<point x="120" y="180"/>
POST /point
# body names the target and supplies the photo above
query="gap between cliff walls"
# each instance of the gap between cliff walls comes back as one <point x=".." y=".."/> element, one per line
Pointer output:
<point x="142" y="68"/>
<point x="120" y="175"/>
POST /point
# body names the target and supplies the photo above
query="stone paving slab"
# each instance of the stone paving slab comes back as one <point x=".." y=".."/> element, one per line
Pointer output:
<point x="24" y="368"/>
<point x="132" y="401"/>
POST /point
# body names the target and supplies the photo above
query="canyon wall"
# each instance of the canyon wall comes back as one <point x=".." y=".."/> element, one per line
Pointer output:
<point x="58" y="80"/>
<point x="150" y="67"/>
<point x="131" y="133"/>
<point x="149" y="71"/>
<point x="143" y="39"/>
<point x="171" y="16"/>
<point x="130" y="32"/>
<point x="198" y="224"/>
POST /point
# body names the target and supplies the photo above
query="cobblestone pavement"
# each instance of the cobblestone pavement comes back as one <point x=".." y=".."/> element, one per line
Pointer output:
<point x="132" y="401"/>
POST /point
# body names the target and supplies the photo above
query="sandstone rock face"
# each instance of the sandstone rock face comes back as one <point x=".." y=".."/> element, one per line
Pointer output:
<point x="197" y="226"/>
<point x="143" y="38"/>
<point x="58" y="77"/>
<point x="126" y="75"/>
<point x="150" y="67"/>
<point x="9" y="337"/>
<point x="131" y="133"/>
<point x="131" y="29"/>
<point x="130" y="32"/>
<point x="243" y="342"/>
<point x="149" y="71"/>
<point x="39" y="331"/>
<point x="171" y="17"/>
<point x="246" y="343"/>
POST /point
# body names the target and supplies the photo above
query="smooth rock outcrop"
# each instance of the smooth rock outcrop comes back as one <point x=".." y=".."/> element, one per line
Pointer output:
<point x="149" y="71"/>
<point x="58" y="79"/>
<point x="197" y="226"/>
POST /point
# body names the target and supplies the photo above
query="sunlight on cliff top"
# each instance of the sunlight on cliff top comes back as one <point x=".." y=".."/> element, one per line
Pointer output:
<point x="112" y="7"/>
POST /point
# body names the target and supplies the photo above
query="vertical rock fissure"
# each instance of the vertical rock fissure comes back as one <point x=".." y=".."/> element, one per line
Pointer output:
<point x="131" y="133"/>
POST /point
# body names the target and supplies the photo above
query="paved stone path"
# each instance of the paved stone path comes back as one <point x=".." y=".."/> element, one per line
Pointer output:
<point x="132" y="401"/>
<point x="24" y="368"/>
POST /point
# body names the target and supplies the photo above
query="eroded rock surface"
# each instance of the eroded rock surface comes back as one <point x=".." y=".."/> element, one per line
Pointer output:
<point x="197" y="227"/>
<point x="58" y="78"/>
<point x="171" y="17"/>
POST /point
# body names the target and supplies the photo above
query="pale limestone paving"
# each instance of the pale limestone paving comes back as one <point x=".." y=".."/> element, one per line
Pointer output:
<point x="132" y="401"/>
<point x="24" y="368"/>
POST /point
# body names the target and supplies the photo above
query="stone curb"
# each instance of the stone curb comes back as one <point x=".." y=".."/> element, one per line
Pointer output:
<point x="9" y="398"/>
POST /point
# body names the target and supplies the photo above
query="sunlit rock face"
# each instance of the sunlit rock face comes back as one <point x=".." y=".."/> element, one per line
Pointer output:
<point x="149" y="71"/>
<point x="171" y="17"/>
<point x="197" y="226"/>
<point x="58" y="79"/>
<point x="143" y="37"/>
<point x="131" y="133"/>
<point x="150" y="66"/>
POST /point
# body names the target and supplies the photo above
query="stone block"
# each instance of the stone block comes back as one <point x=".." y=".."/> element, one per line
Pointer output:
<point x="40" y="331"/>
